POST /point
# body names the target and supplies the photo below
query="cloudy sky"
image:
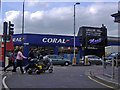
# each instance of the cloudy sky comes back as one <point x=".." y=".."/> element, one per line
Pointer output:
<point x="57" y="17"/>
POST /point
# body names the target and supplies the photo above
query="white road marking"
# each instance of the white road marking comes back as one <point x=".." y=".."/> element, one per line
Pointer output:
<point x="4" y="84"/>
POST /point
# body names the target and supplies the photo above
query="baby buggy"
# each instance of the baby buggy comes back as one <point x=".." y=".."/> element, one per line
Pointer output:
<point x="38" y="66"/>
<point x="32" y="67"/>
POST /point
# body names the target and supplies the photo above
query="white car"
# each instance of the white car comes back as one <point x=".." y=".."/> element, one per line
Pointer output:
<point x="93" y="59"/>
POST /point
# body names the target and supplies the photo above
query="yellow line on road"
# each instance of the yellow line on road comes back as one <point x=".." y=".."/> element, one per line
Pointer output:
<point x="100" y="82"/>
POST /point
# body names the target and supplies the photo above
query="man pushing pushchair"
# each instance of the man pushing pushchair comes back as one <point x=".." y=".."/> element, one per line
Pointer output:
<point x="48" y="62"/>
<point x="39" y="65"/>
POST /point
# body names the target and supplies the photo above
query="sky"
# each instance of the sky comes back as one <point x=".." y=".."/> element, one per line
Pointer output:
<point x="58" y="17"/>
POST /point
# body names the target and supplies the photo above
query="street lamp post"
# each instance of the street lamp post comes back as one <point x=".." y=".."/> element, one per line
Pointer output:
<point x="23" y="24"/>
<point x="74" y="59"/>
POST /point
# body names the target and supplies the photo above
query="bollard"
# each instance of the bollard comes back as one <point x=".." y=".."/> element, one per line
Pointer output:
<point x="113" y="69"/>
<point x="74" y="61"/>
<point x="86" y="60"/>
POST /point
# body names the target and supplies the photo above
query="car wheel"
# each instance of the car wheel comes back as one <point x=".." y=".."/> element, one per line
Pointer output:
<point x="66" y="63"/>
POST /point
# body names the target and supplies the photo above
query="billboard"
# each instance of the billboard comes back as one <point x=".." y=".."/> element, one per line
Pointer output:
<point x="45" y="40"/>
<point x="93" y="36"/>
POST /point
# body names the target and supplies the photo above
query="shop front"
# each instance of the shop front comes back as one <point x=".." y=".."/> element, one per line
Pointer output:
<point x="49" y="44"/>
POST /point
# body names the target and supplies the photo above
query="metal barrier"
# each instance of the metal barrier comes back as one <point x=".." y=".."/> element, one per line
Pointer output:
<point x="107" y="69"/>
<point x="111" y="70"/>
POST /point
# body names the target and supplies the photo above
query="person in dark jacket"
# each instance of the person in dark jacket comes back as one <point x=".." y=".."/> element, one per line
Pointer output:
<point x="31" y="54"/>
<point x="11" y="62"/>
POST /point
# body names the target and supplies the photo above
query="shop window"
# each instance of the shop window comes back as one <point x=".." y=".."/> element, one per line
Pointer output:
<point x="45" y="49"/>
<point x="67" y="50"/>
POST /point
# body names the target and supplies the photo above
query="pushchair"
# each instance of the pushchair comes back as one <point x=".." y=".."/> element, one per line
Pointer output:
<point x="38" y="66"/>
<point x="32" y="66"/>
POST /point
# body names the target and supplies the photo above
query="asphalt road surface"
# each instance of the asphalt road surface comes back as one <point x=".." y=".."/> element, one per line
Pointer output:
<point x="62" y="77"/>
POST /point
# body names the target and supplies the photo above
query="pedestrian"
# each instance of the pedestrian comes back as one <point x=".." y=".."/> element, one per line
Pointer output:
<point x="46" y="59"/>
<point x="11" y="62"/>
<point x="20" y="58"/>
<point x="16" y="50"/>
<point x="31" y="54"/>
<point x="35" y="51"/>
<point x="39" y="53"/>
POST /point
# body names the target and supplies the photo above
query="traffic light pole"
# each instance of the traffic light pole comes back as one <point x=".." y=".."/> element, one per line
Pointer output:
<point x="4" y="52"/>
<point x="5" y="25"/>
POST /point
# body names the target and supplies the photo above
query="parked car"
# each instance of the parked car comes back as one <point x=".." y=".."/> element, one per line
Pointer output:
<point x="93" y="59"/>
<point x="59" y="60"/>
<point x="108" y="59"/>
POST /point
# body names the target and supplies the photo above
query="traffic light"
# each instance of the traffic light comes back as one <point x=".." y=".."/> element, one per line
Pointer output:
<point x="11" y="28"/>
<point x="5" y="25"/>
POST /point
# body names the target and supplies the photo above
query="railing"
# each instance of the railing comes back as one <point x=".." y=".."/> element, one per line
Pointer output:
<point x="112" y="69"/>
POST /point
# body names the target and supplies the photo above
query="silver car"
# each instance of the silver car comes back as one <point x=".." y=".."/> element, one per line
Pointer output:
<point x="93" y="59"/>
<point x="59" y="60"/>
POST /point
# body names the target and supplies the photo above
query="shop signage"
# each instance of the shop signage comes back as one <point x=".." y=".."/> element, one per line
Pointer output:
<point x="17" y="39"/>
<point x="93" y="41"/>
<point x="93" y="36"/>
<point x="93" y="32"/>
<point x="55" y="40"/>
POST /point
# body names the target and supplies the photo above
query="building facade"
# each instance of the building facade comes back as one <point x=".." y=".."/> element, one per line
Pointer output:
<point x="93" y="39"/>
<point x="49" y="44"/>
<point x="88" y="42"/>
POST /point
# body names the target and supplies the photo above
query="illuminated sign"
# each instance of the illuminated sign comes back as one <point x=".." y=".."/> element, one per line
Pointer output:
<point x="54" y="40"/>
<point x="93" y="36"/>
<point x="93" y="41"/>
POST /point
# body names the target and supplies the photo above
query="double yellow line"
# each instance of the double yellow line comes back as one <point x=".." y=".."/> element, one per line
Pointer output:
<point x="100" y="83"/>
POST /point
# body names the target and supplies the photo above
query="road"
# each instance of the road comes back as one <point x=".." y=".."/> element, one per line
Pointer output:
<point x="62" y="77"/>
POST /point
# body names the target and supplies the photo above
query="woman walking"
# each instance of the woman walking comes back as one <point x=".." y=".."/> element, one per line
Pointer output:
<point x="11" y="62"/>
<point x="20" y="58"/>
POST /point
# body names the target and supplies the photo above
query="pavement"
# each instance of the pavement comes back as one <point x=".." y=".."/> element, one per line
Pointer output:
<point x="105" y="75"/>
